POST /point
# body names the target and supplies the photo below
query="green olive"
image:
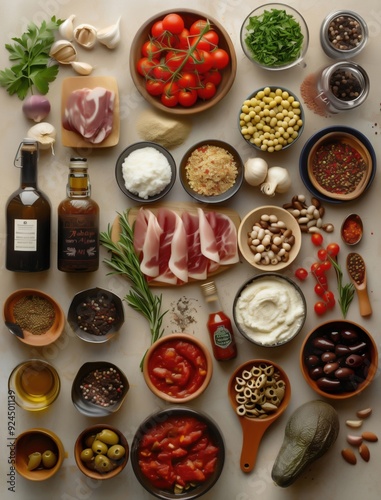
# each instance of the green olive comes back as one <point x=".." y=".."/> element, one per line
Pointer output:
<point x="87" y="455"/>
<point x="116" y="452"/>
<point x="34" y="460"/>
<point x="90" y="440"/>
<point x="108" y="436"/>
<point x="103" y="464"/>
<point x="49" y="459"/>
<point x="99" y="448"/>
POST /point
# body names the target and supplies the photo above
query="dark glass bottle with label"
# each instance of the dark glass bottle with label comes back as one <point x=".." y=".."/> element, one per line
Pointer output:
<point x="219" y="326"/>
<point x="28" y="217"/>
<point x="78" y="223"/>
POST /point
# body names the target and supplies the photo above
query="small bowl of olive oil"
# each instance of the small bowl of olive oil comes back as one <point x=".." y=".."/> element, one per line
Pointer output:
<point x="35" y="383"/>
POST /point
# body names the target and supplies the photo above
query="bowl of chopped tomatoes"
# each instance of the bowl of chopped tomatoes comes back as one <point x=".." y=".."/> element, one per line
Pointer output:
<point x="178" y="452"/>
<point x="182" y="62"/>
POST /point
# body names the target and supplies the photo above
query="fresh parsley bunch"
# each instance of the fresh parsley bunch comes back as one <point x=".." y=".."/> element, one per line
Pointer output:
<point x="30" y="60"/>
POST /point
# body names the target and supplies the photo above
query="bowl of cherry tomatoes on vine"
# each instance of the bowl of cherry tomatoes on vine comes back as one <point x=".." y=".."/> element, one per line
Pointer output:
<point x="182" y="62"/>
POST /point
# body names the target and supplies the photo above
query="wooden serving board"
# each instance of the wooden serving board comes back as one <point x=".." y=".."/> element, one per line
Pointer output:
<point x="74" y="140"/>
<point x="179" y="208"/>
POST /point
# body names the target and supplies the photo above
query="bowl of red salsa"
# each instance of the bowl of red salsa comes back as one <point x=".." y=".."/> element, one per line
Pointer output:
<point x="178" y="453"/>
<point x="178" y="368"/>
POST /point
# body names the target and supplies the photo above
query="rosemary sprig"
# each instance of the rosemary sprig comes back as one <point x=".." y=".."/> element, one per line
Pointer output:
<point x="346" y="292"/>
<point x="124" y="261"/>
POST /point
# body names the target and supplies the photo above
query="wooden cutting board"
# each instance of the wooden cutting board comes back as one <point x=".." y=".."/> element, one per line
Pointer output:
<point x="179" y="208"/>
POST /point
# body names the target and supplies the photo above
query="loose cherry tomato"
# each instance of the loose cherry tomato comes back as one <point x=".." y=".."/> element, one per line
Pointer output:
<point x="301" y="273"/>
<point x="320" y="308"/>
<point x="220" y="58"/>
<point x="187" y="97"/>
<point x="212" y="37"/>
<point x="317" y="239"/>
<point x="173" y="23"/>
<point x="207" y="92"/>
<point x="322" y="254"/>
<point x="333" y="249"/>
<point x="155" y="87"/>
<point x="198" y="26"/>
<point x="329" y="299"/>
<point x="187" y="80"/>
<point x="319" y="290"/>
<point x="145" y="66"/>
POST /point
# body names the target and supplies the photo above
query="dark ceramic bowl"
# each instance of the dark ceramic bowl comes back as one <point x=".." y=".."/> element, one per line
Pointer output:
<point x="159" y="419"/>
<point x="119" y="171"/>
<point x="218" y="198"/>
<point x="84" y="315"/>
<point x="85" y="405"/>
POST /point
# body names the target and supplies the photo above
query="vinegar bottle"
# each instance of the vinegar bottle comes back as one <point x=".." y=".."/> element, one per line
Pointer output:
<point x="78" y="223"/>
<point x="28" y="217"/>
<point x="219" y="326"/>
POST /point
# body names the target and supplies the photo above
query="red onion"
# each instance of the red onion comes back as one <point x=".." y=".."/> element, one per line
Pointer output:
<point x="36" y="107"/>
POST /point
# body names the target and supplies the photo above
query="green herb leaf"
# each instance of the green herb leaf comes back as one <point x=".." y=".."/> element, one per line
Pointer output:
<point x="346" y="292"/>
<point x="274" y="38"/>
<point x="30" y="53"/>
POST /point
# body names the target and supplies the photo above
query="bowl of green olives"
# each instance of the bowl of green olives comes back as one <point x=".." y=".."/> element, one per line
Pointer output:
<point x="101" y="452"/>
<point x="39" y="454"/>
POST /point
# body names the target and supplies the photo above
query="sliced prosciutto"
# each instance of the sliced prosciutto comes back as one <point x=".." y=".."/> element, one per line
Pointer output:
<point x="90" y="113"/>
<point x="197" y="262"/>
<point x="147" y="234"/>
<point x="208" y="242"/>
<point x="225" y="235"/>
<point x="173" y="255"/>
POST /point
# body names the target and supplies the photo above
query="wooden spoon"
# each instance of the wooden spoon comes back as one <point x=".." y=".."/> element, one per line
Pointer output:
<point x="357" y="272"/>
<point x="253" y="428"/>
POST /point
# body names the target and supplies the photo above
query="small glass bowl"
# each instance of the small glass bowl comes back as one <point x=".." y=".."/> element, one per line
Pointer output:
<point x="290" y="11"/>
<point x="345" y="50"/>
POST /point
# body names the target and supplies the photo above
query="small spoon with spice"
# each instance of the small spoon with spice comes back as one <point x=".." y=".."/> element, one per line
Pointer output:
<point x="357" y="272"/>
<point x="352" y="229"/>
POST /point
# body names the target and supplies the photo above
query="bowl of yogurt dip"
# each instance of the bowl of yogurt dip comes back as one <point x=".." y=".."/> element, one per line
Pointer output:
<point x="269" y="310"/>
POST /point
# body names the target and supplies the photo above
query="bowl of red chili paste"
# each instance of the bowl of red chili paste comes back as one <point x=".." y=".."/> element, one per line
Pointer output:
<point x="178" y="368"/>
<point x="337" y="164"/>
<point x="178" y="453"/>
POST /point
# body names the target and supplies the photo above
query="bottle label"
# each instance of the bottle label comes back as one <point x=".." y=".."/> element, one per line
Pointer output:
<point x="222" y="337"/>
<point x="78" y="238"/>
<point x="25" y="231"/>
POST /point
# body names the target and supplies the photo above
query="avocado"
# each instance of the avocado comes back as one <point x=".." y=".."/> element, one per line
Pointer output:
<point x="310" y="431"/>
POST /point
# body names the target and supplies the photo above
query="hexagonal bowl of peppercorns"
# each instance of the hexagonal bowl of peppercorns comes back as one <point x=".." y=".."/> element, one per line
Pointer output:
<point x="99" y="389"/>
<point x="339" y="359"/>
<point x="96" y="315"/>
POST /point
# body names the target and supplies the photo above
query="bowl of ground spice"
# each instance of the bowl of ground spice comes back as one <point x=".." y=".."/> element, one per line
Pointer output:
<point x="39" y="316"/>
<point x="211" y="171"/>
<point x="96" y="315"/>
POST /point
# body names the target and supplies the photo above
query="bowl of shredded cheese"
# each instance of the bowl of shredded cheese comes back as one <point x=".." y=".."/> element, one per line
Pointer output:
<point x="211" y="171"/>
<point x="145" y="172"/>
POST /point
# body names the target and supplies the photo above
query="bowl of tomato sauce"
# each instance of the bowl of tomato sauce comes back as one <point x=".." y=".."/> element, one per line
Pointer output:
<point x="178" y="452"/>
<point x="178" y="368"/>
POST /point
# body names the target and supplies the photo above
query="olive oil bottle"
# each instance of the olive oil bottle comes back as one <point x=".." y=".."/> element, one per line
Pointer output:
<point x="78" y="223"/>
<point x="28" y="217"/>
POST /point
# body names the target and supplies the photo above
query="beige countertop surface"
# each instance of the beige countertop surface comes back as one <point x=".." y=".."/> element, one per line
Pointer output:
<point x="330" y="478"/>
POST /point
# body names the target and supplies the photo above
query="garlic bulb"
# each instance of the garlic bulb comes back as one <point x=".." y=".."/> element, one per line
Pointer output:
<point x="63" y="51"/>
<point x="277" y="181"/>
<point x="44" y="133"/>
<point x="82" y="68"/>
<point x="255" y="171"/>
<point x="85" y="35"/>
<point x="66" y="29"/>
<point x="110" y="36"/>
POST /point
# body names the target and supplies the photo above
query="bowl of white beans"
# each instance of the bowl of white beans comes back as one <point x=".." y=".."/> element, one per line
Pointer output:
<point x="269" y="238"/>
<point x="271" y="119"/>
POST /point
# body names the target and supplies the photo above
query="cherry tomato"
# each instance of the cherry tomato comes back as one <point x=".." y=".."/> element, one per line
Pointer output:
<point x="174" y="59"/>
<point x="146" y="65"/>
<point x="320" y="308"/>
<point x="317" y="239"/>
<point x="155" y="87"/>
<point x="162" y="36"/>
<point x="183" y="39"/>
<point x="213" y="76"/>
<point x="187" y="80"/>
<point x="212" y="37"/>
<point x="187" y="97"/>
<point x="319" y="290"/>
<point x="326" y="265"/>
<point x="319" y="271"/>
<point x="198" y="26"/>
<point x="157" y="29"/>
<point x="323" y="281"/>
<point x="161" y="73"/>
<point x="150" y="49"/>
<point x="207" y="92"/>
<point x="329" y="299"/>
<point x="322" y="254"/>
<point x="333" y="249"/>
<point x="301" y="273"/>
<point x="201" y="43"/>
<point x="173" y="23"/>
<point x="201" y="61"/>
<point x="169" y="100"/>
<point x="220" y="58"/>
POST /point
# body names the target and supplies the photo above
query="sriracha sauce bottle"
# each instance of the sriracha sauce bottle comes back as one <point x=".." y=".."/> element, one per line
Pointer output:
<point x="219" y="326"/>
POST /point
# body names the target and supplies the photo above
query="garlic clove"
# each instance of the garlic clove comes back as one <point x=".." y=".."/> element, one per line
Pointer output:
<point x="110" y="36"/>
<point x="44" y="133"/>
<point x="82" y="68"/>
<point x="85" y="35"/>
<point x="255" y="171"/>
<point x="278" y="180"/>
<point x="63" y="51"/>
<point x="66" y="29"/>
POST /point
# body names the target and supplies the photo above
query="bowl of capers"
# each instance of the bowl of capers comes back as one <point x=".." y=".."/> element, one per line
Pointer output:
<point x="101" y="452"/>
